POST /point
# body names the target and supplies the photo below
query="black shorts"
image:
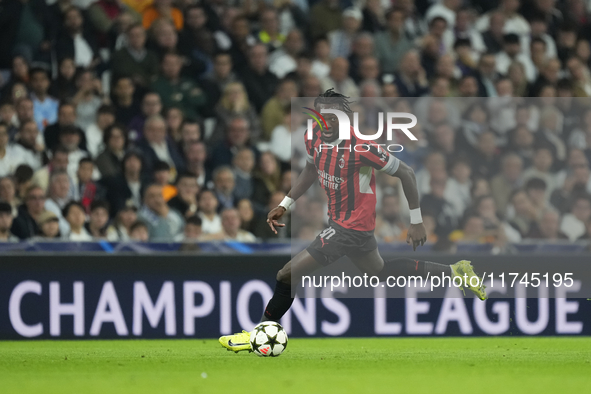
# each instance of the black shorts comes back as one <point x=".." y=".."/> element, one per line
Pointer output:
<point x="336" y="241"/>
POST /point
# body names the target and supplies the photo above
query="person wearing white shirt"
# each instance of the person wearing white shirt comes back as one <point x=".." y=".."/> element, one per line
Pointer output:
<point x="9" y="157"/>
<point x="105" y="117"/>
<point x="283" y="60"/>
<point x="231" y="224"/>
<point x="76" y="216"/>
<point x="58" y="197"/>
<point x="514" y="22"/>
<point x="321" y="63"/>
<point x="446" y="9"/>
<point x="28" y="146"/>
<point x="211" y="221"/>
<point x="573" y="223"/>
<point x="512" y="53"/>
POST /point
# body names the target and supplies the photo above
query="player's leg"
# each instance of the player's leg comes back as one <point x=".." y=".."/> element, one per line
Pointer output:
<point x="370" y="261"/>
<point x="302" y="264"/>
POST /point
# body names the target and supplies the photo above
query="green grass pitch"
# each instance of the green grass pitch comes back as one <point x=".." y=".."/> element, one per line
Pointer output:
<point x="390" y="365"/>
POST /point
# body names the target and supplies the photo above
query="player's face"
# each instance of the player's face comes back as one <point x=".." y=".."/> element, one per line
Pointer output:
<point x="331" y="132"/>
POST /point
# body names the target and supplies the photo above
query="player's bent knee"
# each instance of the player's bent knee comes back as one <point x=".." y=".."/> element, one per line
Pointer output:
<point x="284" y="275"/>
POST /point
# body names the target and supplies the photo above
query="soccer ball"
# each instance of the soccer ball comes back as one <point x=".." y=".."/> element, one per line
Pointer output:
<point x="268" y="339"/>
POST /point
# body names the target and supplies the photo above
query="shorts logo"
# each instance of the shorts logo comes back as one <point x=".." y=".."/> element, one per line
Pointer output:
<point x="341" y="162"/>
<point x="326" y="234"/>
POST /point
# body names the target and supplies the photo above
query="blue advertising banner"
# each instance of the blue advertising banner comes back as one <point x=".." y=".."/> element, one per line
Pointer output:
<point x="182" y="296"/>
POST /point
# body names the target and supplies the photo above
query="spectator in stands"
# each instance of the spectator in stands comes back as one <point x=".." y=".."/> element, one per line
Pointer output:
<point x="44" y="106"/>
<point x="8" y="194"/>
<point x="220" y="75"/>
<point x="24" y="225"/>
<point x="514" y="22"/>
<point x="537" y="191"/>
<point x="437" y="206"/>
<point x="273" y="112"/>
<point x="392" y="43"/>
<point x="549" y="227"/>
<point x="339" y="79"/>
<point x="176" y="90"/>
<point x="208" y="207"/>
<point x="542" y="164"/>
<point x="411" y="80"/>
<point x="9" y="154"/>
<point x="472" y="231"/>
<point x="75" y="214"/>
<point x="58" y="197"/>
<point x="139" y="232"/>
<point x="573" y="224"/>
<point x="105" y="117"/>
<point x="49" y="228"/>
<point x="163" y="222"/>
<point x="185" y="202"/>
<point x="69" y="139"/>
<point x="587" y="235"/>
<point x="66" y="117"/>
<point x="247" y="217"/>
<point x="64" y="86"/>
<point x="174" y="120"/>
<point x="125" y="218"/>
<point x="98" y="224"/>
<point x="127" y="186"/>
<point x="155" y="146"/>
<point x="525" y="215"/>
<point x="87" y="190"/>
<point x="196" y="156"/>
<point x="31" y="150"/>
<point x="284" y="60"/>
<point x="237" y="136"/>
<point x="224" y="187"/>
<point x="234" y="102"/>
<point x="151" y="105"/>
<point x="124" y="101"/>
<point x="109" y="161"/>
<point x="507" y="181"/>
<point x="268" y="179"/>
<point x="162" y="9"/>
<point x="6" y="220"/>
<point x="193" y="229"/>
<point x="243" y="165"/>
<point x="161" y="176"/>
<point x="76" y="41"/>
<point x="231" y="226"/>
<point x="389" y="223"/>
<point x="260" y="83"/>
<point x="134" y="59"/>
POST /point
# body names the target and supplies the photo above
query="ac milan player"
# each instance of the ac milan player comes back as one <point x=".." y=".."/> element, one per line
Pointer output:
<point x="347" y="176"/>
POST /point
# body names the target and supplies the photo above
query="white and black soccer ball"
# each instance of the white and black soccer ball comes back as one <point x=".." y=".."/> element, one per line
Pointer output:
<point x="268" y="339"/>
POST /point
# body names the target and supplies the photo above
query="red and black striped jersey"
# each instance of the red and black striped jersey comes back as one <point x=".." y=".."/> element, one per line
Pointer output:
<point x="346" y="173"/>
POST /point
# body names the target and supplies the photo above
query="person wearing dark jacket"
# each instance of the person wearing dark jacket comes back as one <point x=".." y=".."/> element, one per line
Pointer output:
<point x="25" y="224"/>
<point x="126" y="188"/>
<point x="75" y="42"/>
<point x="155" y="146"/>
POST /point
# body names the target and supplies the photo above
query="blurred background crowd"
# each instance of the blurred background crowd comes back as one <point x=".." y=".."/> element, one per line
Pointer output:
<point x="168" y="120"/>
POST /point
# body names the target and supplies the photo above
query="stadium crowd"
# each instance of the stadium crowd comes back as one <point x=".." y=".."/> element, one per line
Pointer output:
<point x="170" y="120"/>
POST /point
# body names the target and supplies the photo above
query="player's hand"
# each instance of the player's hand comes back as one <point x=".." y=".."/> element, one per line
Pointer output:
<point x="274" y="216"/>
<point x="417" y="235"/>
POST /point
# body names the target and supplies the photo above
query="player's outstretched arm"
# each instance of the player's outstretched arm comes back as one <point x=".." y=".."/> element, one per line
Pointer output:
<point x="417" y="234"/>
<point x="307" y="177"/>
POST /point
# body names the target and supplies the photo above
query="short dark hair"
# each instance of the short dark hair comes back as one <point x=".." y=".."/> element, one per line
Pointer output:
<point x="23" y="173"/>
<point x="85" y="160"/>
<point x="536" y="184"/>
<point x="511" y="38"/>
<point x="194" y="220"/>
<point x="332" y="97"/>
<point x="184" y="175"/>
<point x="5" y="207"/>
<point x="96" y="204"/>
<point x="37" y="70"/>
<point x="109" y="131"/>
<point x="71" y="204"/>
<point x="161" y="166"/>
<point x="137" y="224"/>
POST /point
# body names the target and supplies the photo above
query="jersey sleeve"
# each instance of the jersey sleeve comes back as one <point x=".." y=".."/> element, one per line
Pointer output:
<point x="374" y="155"/>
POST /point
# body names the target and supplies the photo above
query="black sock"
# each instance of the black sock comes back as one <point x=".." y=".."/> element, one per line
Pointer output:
<point x="408" y="267"/>
<point x="280" y="303"/>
